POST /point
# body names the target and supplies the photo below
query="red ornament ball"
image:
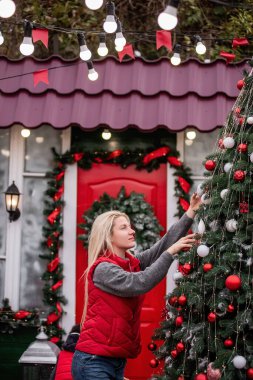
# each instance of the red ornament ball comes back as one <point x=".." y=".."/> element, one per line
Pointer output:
<point x="174" y="354"/>
<point x="233" y="282"/>
<point x="154" y="363"/>
<point x="173" y="300"/>
<point x="180" y="347"/>
<point x="239" y="175"/>
<point x="211" y="317"/>
<point x="228" y="343"/>
<point x="207" y="267"/>
<point x="250" y="373"/>
<point x="182" y="300"/>
<point x="230" y="308"/>
<point x="179" y="321"/>
<point x="181" y="377"/>
<point x="210" y="165"/>
<point x="200" y="376"/>
<point x="242" y="148"/>
<point x="240" y="84"/>
<point x="152" y="346"/>
<point x="185" y="269"/>
<point x="237" y="110"/>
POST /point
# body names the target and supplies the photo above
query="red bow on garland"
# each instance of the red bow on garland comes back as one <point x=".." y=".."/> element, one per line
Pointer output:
<point x="51" y="217"/>
<point x="184" y="204"/>
<point x="156" y="154"/>
<point x="53" y="265"/>
<point x="185" y="186"/>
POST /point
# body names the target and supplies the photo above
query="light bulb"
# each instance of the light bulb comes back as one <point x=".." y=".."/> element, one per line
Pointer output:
<point x="27" y="47"/>
<point x="93" y="75"/>
<point x="191" y="135"/>
<point x="175" y="59"/>
<point x="188" y="142"/>
<point x="102" y="49"/>
<point x="120" y="39"/>
<point x="200" y="48"/>
<point x="106" y="134"/>
<point x="110" y="25"/>
<point x="1" y="39"/>
<point x="119" y="47"/>
<point x="7" y="8"/>
<point x="94" y="4"/>
<point x="25" y="132"/>
<point x="85" y="53"/>
<point x="167" y="20"/>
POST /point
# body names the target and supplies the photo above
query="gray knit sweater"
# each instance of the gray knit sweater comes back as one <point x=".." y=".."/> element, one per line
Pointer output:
<point x="154" y="263"/>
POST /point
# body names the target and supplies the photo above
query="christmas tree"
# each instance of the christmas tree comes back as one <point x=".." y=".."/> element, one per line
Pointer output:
<point x="207" y="332"/>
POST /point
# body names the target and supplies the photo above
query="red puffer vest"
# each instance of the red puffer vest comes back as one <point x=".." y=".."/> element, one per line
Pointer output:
<point x="112" y="324"/>
<point x="63" y="368"/>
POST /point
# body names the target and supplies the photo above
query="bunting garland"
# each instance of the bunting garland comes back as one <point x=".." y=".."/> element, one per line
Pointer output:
<point x="149" y="159"/>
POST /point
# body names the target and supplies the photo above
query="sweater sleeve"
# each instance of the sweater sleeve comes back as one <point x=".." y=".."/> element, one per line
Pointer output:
<point x="176" y="231"/>
<point x="113" y="279"/>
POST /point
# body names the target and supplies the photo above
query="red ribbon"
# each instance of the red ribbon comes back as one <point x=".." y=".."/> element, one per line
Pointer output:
<point x="174" y="161"/>
<point x="185" y="186"/>
<point x="184" y="204"/>
<point x="21" y="314"/>
<point x="51" y="217"/>
<point x="240" y="42"/>
<point x="163" y="38"/>
<point x="77" y="156"/>
<point x="40" y="35"/>
<point x="57" y="285"/>
<point x="156" y="154"/>
<point x="228" y="56"/>
<point x="49" y="242"/>
<point x="53" y="317"/>
<point x="53" y="265"/>
<point x="40" y="76"/>
<point x="114" y="154"/>
<point x="127" y="50"/>
<point x="58" y="307"/>
<point x="59" y="193"/>
<point x="54" y="339"/>
<point x="60" y="175"/>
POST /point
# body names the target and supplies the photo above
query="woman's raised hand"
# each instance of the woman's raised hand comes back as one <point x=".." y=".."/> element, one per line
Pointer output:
<point x="184" y="242"/>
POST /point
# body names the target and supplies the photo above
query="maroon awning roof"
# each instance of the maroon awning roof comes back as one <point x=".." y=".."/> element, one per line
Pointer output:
<point x="133" y="93"/>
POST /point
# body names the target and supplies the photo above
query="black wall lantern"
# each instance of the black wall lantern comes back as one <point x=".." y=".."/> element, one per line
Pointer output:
<point x="12" y="195"/>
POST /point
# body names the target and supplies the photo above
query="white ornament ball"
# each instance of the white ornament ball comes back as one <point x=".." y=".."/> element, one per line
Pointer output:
<point x="205" y="200"/>
<point x="231" y="225"/>
<point x="202" y="250"/>
<point x="250" y="120"/>
<point x="199" y="190"/>
<point x="251" y="157"/>
<point x="201" y="227"/>
<point x="227" y="167"/>
<point x="239" y="361"/>
<point x="224" y="193"/>
<point x="228" y="142"/>
<point x="177" y="276"/>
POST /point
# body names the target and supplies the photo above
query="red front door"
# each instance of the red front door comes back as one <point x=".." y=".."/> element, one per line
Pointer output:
<point x="110" y="178"/>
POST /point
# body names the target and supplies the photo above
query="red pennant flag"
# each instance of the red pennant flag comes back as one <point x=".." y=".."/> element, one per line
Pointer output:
<point x="40" y="76"/>
<point x="163" y="38"/>
<point x="51" y="318"/>
<point x="240" y="42"/>
<point x="59" y="193"/>
<point x="53" y="265"/>
<point x="185" y="186"/>
<point x="57" y="285"/>
<point x="52" y="217"/>
<point x="184" y="204"/>
<point x="174" y="161"/>
<point x="229" y="56"/>
<point x="114" y="154"/>
<point x="127" y="50"/>
<point x="156" y="154"/>
<point x="40" y="35"/>
<point x="60" y="176"/>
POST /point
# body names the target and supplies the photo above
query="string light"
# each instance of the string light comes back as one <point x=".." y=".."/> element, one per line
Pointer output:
<point x="167" y="20"/>
<point x="191" y="135"/>
<point x="120" y="40"/>
<point x="27" y="47"/>
<point x="1" y="38"/>
<point x="7" y="8"/>
<point x="25" y="132"/>
<point x="106" y="134"/>
<point x="92" y="75"/>
<point x="102" y="48"/>
<point x="200" y="47"/>
<point x="85" y="53"/>
<point x="94" y="4"/>
<point x="110" y="24"/>
<point x="176" y="59"/>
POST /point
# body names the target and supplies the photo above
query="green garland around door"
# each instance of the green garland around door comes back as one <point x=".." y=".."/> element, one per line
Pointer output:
<point x="149" y="159"/>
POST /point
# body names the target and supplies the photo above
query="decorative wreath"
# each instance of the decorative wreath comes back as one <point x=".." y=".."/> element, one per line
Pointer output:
<point x="141" y="214"/>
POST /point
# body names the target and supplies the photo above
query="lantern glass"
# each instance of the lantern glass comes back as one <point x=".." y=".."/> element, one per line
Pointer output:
<point x="11" y="201"/>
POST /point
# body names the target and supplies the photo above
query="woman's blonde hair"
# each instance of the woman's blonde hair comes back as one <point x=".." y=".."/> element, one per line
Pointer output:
<point x="100" y="243"/>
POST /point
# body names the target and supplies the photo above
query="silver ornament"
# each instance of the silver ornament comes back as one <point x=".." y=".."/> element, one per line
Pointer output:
<point x="228" y="142"/>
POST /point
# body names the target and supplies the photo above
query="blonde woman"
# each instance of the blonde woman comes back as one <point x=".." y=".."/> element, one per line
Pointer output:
<point x="116" y="283"/>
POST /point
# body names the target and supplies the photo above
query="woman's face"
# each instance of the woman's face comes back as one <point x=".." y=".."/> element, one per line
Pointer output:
<point x="123" y="236"/>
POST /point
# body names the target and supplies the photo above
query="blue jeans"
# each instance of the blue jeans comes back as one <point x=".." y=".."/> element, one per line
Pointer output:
<point x="95" y="367"/>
